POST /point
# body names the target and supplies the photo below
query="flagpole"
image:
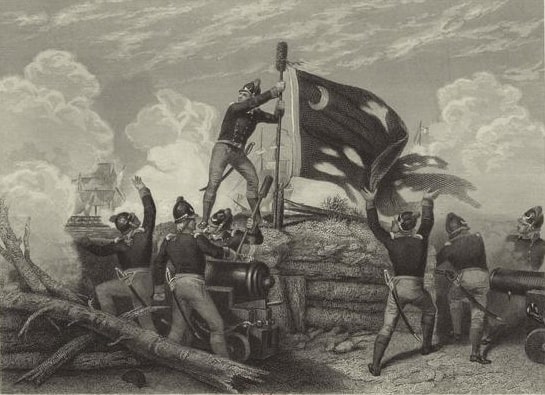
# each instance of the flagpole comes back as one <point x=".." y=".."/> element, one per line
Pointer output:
<point x="281" y="55"/>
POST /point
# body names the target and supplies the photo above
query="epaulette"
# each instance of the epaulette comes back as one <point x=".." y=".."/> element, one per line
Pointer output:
<point x="170" y="236"/>
<point x="448" y="243"/>
<point x="478" y="234"/>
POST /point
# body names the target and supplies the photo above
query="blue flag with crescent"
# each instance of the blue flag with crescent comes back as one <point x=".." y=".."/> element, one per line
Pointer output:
<point x="349" y="136"/>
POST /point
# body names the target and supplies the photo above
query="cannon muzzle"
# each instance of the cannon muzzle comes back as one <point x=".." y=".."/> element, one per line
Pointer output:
<point x="516" y="282"/>
<point x="249" y="280"/>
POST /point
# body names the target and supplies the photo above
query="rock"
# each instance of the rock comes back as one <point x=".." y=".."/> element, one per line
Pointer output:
<point x="315" y="332"/>
<point x="344" y="346"/>
<point x="134" y="376"/>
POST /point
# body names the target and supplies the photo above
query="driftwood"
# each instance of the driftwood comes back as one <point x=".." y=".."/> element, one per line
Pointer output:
<point x="296" y="294"/>
<point x="323" y="270"/>
<point x="86" y="361"/>
<point x="346" y="291"/>
<point x="217" y="371"/>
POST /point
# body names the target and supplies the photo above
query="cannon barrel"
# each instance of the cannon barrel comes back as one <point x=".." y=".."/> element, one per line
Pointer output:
<point x="251" y="280"/>
<point x="516" y="281"/>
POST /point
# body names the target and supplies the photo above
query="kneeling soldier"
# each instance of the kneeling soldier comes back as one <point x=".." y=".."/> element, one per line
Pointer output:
<point x="466" y="253"/>
<point x="186" y="251"/>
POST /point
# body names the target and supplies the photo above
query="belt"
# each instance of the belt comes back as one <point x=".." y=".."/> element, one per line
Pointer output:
<point x="182" y="275"/>
<point x="232" y="143"/>
<point x="133" y="270"/>
<point x="409" y="278"/>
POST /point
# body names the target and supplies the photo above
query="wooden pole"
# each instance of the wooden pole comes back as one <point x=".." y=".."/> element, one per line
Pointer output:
<point x="281" y="53"/>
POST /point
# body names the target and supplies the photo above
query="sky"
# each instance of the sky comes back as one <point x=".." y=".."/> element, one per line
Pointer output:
<point x="145" y="84"/>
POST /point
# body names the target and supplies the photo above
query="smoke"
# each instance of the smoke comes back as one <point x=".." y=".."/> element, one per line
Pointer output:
<point x="49" y="134"/>
<point x="178" y="135"/>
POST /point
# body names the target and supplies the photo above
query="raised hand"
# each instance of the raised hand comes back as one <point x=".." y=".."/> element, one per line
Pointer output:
<point x="429" y="194"/>
<point x="137" y="182"/>
<point x="368" y="195"/>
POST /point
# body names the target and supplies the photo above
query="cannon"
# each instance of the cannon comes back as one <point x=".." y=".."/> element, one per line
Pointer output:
<point x="532" y="286"/>
<point x="240" y="291"/>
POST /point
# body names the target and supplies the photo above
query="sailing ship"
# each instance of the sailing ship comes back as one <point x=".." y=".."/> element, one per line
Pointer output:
<point x="97" y="192"/>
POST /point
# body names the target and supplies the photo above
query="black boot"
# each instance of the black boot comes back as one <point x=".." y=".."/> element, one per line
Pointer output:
<point x="428" y="322"/>
<point x="475" y="335"/>
<point x="381" y="343"/>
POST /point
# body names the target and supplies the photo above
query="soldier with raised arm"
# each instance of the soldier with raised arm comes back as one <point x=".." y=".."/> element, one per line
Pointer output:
<point x="408" y="250"/>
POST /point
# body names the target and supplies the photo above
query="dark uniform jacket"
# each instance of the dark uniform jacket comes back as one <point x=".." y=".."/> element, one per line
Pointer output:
<point x="407" y="253"/>
<point x="241" y="119"/>
<point x="134" y="249"/>
<point x="464" y="251"/>
<point x="186" y="252"/>
<point x="533" y="251"/>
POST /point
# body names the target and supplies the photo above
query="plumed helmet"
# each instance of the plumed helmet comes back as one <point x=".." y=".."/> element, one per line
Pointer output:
<point x="455" y="224"/>
<point x="407" y="220"/>
<point x="182" y="210"/>
<point x="252" y="87"/>
<point x="533" y="217"/>
<point x="125" y="221"/>
<point x="222" y="217"/>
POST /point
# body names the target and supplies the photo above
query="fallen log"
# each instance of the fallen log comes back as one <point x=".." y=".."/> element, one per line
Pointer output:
<point x="85" y="361"/>
<point x="12" y="253"/>
<point x="305" y="209"/>
<point x="346" y="291"/>
<point x="364" y="271"/>
<point x="63" y="355"/>
<point x="219" y="372"/>
<point x="32" y="341"/>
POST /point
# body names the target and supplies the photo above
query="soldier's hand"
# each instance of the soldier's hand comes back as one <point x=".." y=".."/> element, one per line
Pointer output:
<point x="250" y="223"/>
<point x="429" y="194"/>
<point x="137" y="182"/>
<point x="278" y="88"/>
<point x="368" y="195"/>
<point x="159" y="293"/>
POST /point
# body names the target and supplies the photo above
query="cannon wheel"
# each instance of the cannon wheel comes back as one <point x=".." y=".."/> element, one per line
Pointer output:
<point x="238" y="347"/>
<point x="535" y="345"/>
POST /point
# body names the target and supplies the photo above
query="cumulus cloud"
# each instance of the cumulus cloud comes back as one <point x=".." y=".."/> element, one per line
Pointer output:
<point x="487" y="136"/>
<point x="60" y="71"/>
<point x="49" y="134"/>
<point x="486" y="127"/>
<point x="178" y="134"/>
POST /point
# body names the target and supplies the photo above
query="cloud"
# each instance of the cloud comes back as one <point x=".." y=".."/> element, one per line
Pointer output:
<point x="485" y="129"/>
<point x="38" y="123"/>
<point x="177" y="134"/>
<point x="49" y="134"/>
<point x="60" y="71"/>
<point x="525" y="73"/>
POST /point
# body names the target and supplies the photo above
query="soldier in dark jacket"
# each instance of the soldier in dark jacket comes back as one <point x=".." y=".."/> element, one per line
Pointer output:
<point x="408" y="252"/>
<point x="133" y="249"/>
<point x="465" y="254"/>
<point x="528" y="243"/>
<point x="239" y="122"/>
<point x="187" y="250"/>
